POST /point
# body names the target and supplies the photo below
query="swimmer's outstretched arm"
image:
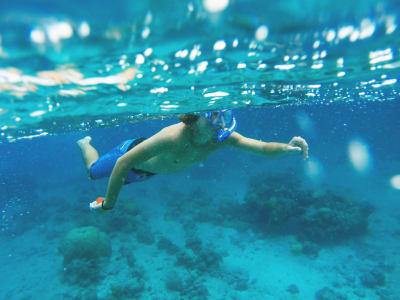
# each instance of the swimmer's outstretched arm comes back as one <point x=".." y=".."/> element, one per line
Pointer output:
<point x="142" y="152"/>
<point x="271" y="149"/>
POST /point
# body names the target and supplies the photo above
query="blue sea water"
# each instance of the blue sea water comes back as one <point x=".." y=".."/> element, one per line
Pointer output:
<point x="235" y="226"/>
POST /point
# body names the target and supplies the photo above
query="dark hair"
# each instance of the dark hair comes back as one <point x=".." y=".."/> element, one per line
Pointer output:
<point x="188" y="119"/>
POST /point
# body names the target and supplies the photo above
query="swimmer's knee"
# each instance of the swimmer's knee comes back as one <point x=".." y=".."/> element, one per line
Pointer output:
<point x="89" y="173"/>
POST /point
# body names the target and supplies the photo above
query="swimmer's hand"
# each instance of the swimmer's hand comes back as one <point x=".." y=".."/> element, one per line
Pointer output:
<point x="298" y="144"/>
<point x="99" y="205"/>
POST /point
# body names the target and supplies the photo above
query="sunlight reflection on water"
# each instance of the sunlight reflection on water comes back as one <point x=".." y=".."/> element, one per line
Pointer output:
<point x="77" y="68"/>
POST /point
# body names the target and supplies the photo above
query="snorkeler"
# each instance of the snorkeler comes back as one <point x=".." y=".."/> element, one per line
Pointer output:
<point x="174" y="149"/>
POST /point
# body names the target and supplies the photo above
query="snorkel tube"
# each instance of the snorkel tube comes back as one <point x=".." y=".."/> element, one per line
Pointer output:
<point x="223" y="133"/>
<point x="223" y="119"/>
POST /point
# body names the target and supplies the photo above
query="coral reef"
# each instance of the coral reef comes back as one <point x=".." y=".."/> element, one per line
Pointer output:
<point x="85" y="250"/>
<point x="278" y="205"/>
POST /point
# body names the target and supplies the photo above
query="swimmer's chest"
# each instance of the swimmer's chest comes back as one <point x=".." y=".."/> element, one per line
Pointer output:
<point x="180" y="159"/>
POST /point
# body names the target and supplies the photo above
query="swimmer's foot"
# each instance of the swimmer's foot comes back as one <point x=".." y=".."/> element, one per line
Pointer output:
<point x="83" y="142"/>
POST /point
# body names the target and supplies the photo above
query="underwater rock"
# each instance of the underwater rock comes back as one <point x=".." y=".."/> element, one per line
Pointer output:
<point x="195" y="289"/>
<point x="385" y="294"/>
<point x="296" y="248"/>
<point x="360" y="293"/>
<point x="193" y="243"/>
<point x="185" y="259"/>
<point x="241" y="285"/>
<point x="129" y="208"/>
<point x="196" y="292"/>
<point x="119" y="221"/>
<point x="145" y="235"/>
<point x="328" y="294"/>
<point x="292" y="289"/>
<point x="208" y="260"/>
<point x="85" y="250"/>
<point x="174" y="282"/>
<point x="128" y="254"/>
<point x="128" y="289"/>
<point x="81" y="272"/>
<point x="202" y="258"/>
<point x="236" y="277"/>
<point x="373" y="278"/>
<point x="310" y="249"/>
<point x="240" y="280"/>
<point x="168" y="246"/>
<point x="188" y="288"/>
<point x="306" y="247"/>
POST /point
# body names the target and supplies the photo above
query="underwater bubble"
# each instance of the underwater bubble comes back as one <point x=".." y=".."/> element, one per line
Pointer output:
<point x="148" y="52"/>
<point x="354" y="36"/>
<point x="146" y="32"/>
<point x="261" y="33"/>
<point x="59" y="31"/>
<point x="159" y="90"/>
<point x="216" y="94"/>
<point x="330" y="35"/>
<point x="84" y="29"/>
<point x="139" y="59"/>
<point x="390" y="24"/>
<point x="345" y="32"/>
<point x="314" y="169"/>
<point x="235" y="43"/>
<point x="380" y="56"/>
<point x="214" y="6"/>
<point x="367" y="28"/>
<point x="219" y="45"/>
<point x="359" y="155"/>
<point x="395" y="182"/>
<point x="317" y="66"/>
<point x="284" y="67"/>
<point x="305" y="123"/>
<point x="341" y="74"/>
<point x="37" y="113"/>
<point x="38" y="36"/>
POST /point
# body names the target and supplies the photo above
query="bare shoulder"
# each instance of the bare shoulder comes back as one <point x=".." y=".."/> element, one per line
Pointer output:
<point x="173" y="129"/>
<point x="167" y="136"/>
<point x="172" y="132"/>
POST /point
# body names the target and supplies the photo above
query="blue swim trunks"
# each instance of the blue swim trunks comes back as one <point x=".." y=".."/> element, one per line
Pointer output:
<point x="105" y="164"/>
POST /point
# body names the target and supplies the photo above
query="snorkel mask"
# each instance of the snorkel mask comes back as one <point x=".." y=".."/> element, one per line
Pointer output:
<point x="223" y="119"/>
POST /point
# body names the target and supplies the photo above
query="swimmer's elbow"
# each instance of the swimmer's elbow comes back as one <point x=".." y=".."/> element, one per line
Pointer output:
<point x="122" y="164"/>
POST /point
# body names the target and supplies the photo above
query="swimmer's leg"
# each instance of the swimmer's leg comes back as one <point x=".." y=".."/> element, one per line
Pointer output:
<point x="89" y="153"/>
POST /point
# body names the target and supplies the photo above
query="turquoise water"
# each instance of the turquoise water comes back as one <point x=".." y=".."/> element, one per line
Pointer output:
<point x="235" y="226"/>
